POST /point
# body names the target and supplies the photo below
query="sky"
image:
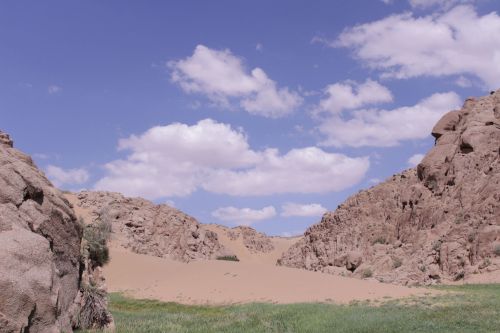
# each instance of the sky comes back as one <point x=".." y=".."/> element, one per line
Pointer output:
<point x="260" y="113"/>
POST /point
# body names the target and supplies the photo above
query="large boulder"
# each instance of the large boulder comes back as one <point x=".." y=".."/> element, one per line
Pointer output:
<point x="439" y="221"/>
<point x="39" y="248"/>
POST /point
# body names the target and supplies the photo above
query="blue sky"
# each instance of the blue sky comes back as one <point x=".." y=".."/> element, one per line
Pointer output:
<point x="262" y="113"/>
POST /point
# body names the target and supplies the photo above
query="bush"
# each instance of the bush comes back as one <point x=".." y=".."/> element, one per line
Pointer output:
<point x="228" y="258"/>
<point x="94" y="313"/>
<point x="96" y="236"/>
<point x="379" y="240"/>
<point x="396" y="263"/>
<point x="367" y="273"/>
<point x="436" y="246"/>
<point x="496" y="250"/>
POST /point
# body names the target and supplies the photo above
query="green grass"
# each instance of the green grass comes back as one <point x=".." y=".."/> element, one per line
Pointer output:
<point x="468" y="308"/>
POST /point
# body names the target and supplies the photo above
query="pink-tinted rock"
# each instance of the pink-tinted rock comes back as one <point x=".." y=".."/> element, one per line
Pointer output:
<point x="39" y="248"/>
<point x="147" y="228"/>
<point x="437" y="222"/>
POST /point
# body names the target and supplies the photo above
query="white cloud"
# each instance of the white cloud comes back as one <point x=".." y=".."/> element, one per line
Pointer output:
<point x="463" y="82"/>
<point x="59" y="176"/>
<point x="53" y="89"/>
<point x="414" y="160"/>
<point x="306" y="170"/>
<point x="294" y="209"/>
<point x="352" y="95"/>
<point x="221" y="76"/>
<point x="385" y="128"/>
<point x="244" y="216"/>
<point x="177" y="159"/>
<point x="440" y="3"/>
<point x="456" y="42"/>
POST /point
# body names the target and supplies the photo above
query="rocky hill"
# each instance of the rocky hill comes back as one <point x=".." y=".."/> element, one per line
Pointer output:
<point x="147" y="228"/>
<point x="439" y="221"/>
<point x="253" y="240"/>
<point x="41" y="267"/>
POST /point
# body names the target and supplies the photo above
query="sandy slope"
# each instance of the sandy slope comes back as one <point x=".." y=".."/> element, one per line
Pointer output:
<point x="254" y="279"/>
<point x="281" y="244"/>
<point x="223" y="282"/>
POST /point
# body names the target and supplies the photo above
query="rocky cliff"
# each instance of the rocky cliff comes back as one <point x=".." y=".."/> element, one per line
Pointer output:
<point x="147" y="228"/>
<point x="439" y="221"/>
<point x="40" y="242"/>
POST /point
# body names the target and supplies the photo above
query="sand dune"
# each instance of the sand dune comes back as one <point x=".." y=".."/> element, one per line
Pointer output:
<point x="223" y="282"/>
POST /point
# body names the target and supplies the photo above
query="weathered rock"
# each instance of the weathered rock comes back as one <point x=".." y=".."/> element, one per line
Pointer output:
<point x="253" y="240"/>
<point x="39" y="248"/>
<point x="437" y="222"/>
<point x="146" y="228"/>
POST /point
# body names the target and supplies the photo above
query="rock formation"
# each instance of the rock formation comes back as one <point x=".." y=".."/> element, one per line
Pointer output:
<point x="253" y="240"/>
<point x="40" y="269"/>
<point x="146" y="228"/>
<point x="439" y="221"/>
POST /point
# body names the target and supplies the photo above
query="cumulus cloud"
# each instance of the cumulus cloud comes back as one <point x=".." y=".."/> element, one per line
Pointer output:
<point x="385" y="128"/>
<point x="222" y="77"/>
<point x="352" y="95"/>
<point x="178" y="159"/>
<point x="302" y="210"/>
<point x="244" y="216"/>
<point x="60" y="177"/>
<point x="54" y="89"/>
<point x="414" y="160"/>
<point x="454" y="42"/>
<point x="305" y="170"/>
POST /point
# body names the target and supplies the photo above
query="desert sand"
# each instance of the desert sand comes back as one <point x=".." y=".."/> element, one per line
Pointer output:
<point x="253" y="279"/>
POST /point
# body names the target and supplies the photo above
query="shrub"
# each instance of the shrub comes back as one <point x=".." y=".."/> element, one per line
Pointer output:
<point x="486" y="262"/>
<point x="96" y="236"/>
<point x="471" y="237"/>
<point x="459" y="218"/>
<point x="379" y="240"/>
<point x="436" y="246"/>
<point x="367" y="273"/>
<point x="228" y="258"/>
<point x="396" y="262"/>
<point x="496" y="250"/>
<point x="94" y="313"/>
<point x="459" y="276"/>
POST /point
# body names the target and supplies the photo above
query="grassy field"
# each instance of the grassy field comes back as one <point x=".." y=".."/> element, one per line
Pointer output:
<point x="469" y="308"/>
